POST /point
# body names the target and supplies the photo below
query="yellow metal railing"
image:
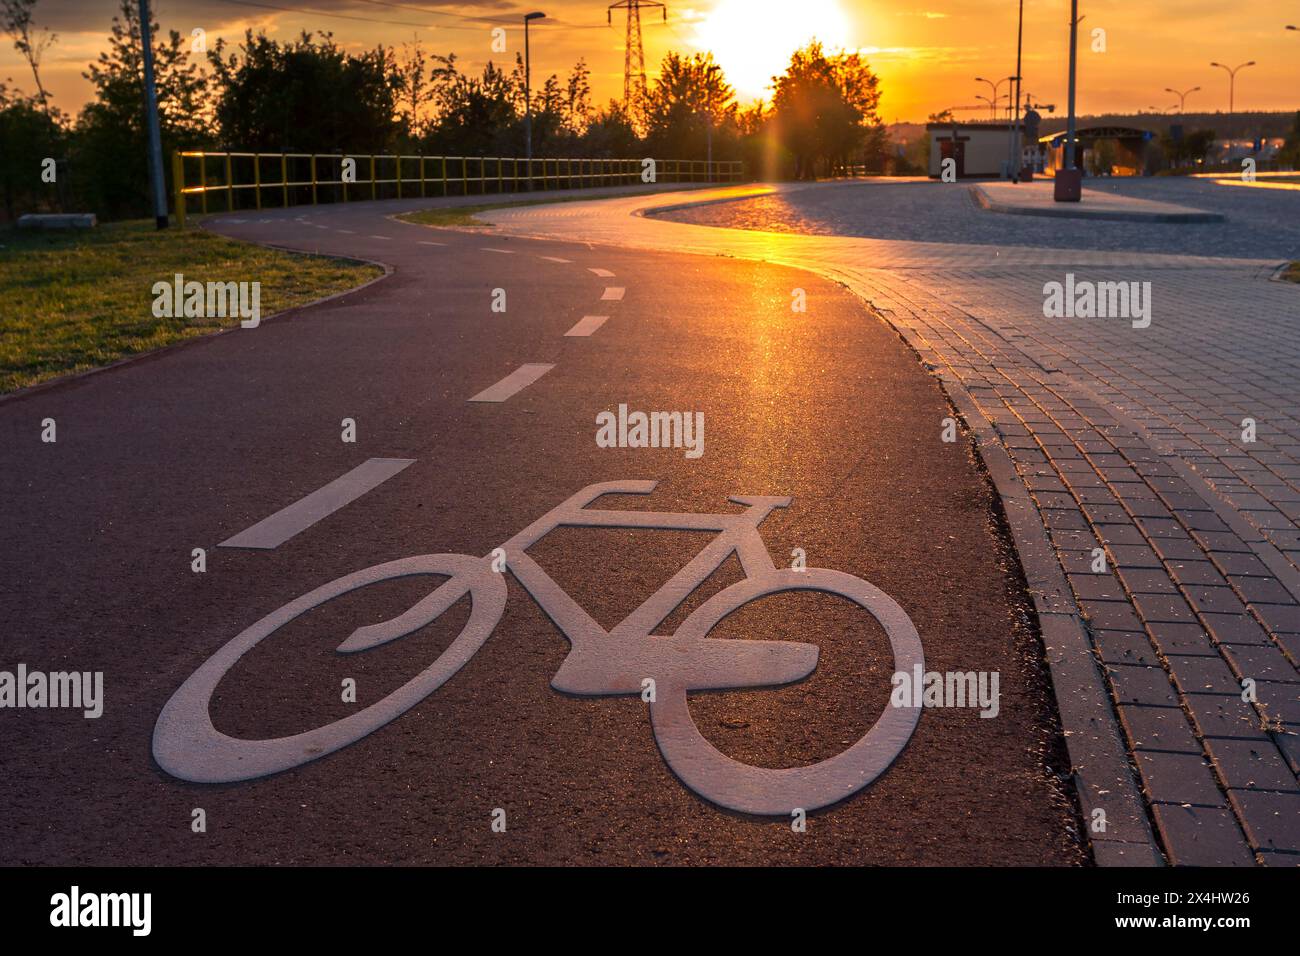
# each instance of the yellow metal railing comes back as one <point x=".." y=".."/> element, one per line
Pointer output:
<point x="311" y="178"/>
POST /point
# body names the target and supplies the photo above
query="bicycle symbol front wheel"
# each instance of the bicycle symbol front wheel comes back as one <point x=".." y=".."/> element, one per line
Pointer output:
<point x="777" y="792"/>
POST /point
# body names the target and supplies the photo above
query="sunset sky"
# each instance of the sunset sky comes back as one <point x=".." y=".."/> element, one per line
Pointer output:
<point x="927" y="54"/>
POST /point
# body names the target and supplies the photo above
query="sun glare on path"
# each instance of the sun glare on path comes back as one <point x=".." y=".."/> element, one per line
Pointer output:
<point x="752" y="39"/>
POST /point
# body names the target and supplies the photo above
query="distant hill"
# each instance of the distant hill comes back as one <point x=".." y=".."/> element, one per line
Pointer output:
<point x="1225" y="125"/>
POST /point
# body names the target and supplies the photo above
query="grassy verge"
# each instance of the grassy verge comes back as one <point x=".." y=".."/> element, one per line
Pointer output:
<point x="1292" y="273"/>
<point x="449" y="216"/>
<point x="464" y="215"/>
<point x="73" y="301"/>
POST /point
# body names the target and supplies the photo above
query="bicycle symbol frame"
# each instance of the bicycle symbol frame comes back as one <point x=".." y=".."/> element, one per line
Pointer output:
<point x="188" y="746"/>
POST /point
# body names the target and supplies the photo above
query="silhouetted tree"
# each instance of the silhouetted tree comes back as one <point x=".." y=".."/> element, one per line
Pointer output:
<point x="308" y="95"/>
<point x="110" y="159"/>
<point x="416" y="95"/>
<point x="825" y="109"/>
<point x="690" y="94"/>
<point x="474" y="116"/>
<point x="611" y="133"/>
<point x="30" y="135"/>
<point x="17" y="21"/>
<point x="1189" y="150"/>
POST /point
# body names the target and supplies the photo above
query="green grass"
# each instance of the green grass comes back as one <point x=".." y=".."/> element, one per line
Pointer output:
<point x="1292" y="273"/>
<point x="464" y="215"/>
<point x="73" y="301"/>
<point x="448" y="216"/>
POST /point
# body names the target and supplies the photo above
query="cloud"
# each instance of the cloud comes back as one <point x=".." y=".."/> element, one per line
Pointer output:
<point x="79" y="16"/>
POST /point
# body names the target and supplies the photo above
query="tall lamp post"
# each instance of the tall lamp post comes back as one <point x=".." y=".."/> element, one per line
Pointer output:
<point x="1232" y="80"/>
<point x="528" y="101"/>
<point x="1014" y="166"/>
<point x="1182" y="97"/>
<point x="151" y="121"/>
<point x="708" y="159"/>
<point x="1067" y="184"/>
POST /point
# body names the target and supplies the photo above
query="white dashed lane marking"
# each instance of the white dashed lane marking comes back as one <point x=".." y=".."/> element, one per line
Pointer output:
<point x="429" y="242"/>
<point x="302" y="514"/>
<point x="588" y="324"/>
<point x="555" y="259"/>
<point x="613" y="293"/>
<point x="603" y="273"/>
<point x="504" y="252"/>
<point x="348" y="231"/>
<point x="380" y="237"/>
<point x="516" y="381"/>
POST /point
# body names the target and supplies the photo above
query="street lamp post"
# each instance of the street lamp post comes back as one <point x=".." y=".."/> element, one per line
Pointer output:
<point x="1232" y="81"/>
<point x="994" y="87"/>
<point x="1182" y="97"/>
<point x="1074" y="57"/>
<point x="151" y="119"/>
<point x="528" y="102"/>
<point x="1015" y="147"/>
<point x="708" y="154"/>
<point x="1067" y="186"/>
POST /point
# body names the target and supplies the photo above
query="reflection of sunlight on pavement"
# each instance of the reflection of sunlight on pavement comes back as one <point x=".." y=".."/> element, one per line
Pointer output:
<point x="1261" y="183"/>
<point x="724" y="193"/>
<point x="772" y="379"/>
<point x="775" y="244"/>
<point x="635" y="222"/>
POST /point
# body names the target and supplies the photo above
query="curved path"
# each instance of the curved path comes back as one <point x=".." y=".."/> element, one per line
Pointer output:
<point x="470" y="424"/>
<point x="1171" y="448"/>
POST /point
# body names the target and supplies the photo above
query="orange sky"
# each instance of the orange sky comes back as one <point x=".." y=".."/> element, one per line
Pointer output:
<point x="927" y="54"/>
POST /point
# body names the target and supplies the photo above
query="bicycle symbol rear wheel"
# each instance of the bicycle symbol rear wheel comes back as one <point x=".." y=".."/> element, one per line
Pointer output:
<point x="772" y="792"/>
<point x="188" y="746"/>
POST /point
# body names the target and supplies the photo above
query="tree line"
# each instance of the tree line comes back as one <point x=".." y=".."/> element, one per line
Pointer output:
<point x="309" y="95"/>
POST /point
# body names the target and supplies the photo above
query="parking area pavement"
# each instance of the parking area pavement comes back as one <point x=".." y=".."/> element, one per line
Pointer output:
<point x="1258" y="223"/>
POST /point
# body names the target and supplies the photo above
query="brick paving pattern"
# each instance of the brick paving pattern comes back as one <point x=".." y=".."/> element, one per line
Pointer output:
<point x="1129" y="441"/>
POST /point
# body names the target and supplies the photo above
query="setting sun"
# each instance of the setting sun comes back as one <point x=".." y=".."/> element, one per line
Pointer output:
<point x="752" y="39"/>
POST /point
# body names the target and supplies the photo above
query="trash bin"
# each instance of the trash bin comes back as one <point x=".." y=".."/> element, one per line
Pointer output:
<point x="1068" y="185"/>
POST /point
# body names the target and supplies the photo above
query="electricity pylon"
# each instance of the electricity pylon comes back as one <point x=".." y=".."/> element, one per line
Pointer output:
<point x="633" y="52"/>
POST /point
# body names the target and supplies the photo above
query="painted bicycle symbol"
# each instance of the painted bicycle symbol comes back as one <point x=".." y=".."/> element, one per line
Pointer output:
<point x="188" y="746"/>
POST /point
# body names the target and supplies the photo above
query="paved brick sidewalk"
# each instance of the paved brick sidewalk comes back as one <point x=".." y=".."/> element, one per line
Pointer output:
<point x="1133" y="446"/>
<point x="1162" y="549"/>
